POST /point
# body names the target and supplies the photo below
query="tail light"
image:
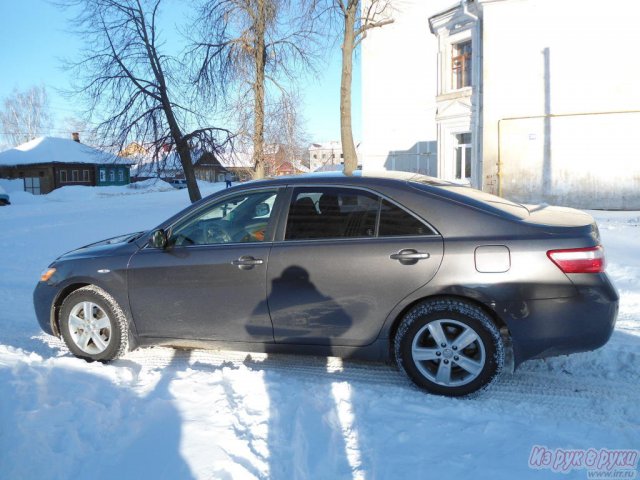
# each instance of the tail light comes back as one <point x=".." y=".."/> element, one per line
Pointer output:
<point x="579" y="260"/>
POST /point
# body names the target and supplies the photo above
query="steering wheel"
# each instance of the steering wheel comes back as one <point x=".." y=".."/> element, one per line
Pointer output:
<point x="181" y="240"/>
<point x="216" y="233"/>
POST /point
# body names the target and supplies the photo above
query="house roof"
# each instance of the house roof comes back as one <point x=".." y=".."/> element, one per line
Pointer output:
<point x="236" y="159"/>
<point x="170" y="164"/>
<point x="332" y="145"/>
<point x="57" y="150"/>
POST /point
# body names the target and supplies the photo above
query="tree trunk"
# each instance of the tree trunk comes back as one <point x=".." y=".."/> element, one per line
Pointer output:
<point x="189" y="173"/>
<point x="346" y="132"/>
<point x="184" y="152"/>
<point x="258" y="92"/>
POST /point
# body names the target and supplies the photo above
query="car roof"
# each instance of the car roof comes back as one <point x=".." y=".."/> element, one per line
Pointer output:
<point x="453" y="191"/>
<point x="357" y="176"/>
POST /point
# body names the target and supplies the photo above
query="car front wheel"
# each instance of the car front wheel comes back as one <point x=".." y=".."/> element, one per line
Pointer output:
<point x="449" y="347"/>
<point x="93" y="325"/>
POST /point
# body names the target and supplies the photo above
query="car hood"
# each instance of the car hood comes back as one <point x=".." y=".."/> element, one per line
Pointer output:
<point x="104" y="248"/>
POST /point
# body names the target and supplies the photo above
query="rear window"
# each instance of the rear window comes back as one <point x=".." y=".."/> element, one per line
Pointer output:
<point x="339" y="212"/>
<point x="394" y="221"/>
<point x="479" y="199"/>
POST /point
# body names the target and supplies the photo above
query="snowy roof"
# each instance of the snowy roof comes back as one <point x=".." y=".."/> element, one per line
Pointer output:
<point x="56" y="150"/>
<point x="332" y="145"/>
<point x="171" y="164"/>
<point x="236" y="160"/>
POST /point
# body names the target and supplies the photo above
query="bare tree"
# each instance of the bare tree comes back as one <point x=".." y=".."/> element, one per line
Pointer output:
<point x="285" y="127"/>
<point x="25" y="115"/>
<point x="136" y="90"/>
<point x="357" y="20"/>
<point x="254" y="44"/>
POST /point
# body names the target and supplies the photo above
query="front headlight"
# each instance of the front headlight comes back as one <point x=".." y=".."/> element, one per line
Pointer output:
<point x="47" y="274"/>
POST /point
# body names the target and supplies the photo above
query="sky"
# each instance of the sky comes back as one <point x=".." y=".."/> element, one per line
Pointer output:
<point x="35" y="38"/>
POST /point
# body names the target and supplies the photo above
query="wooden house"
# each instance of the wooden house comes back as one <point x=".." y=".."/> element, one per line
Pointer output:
<point x="47" y="163"/>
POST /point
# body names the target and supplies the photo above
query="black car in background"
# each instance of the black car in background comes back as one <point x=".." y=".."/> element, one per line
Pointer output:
<point x="442" y="279"/>
<point x="4" y="197"/>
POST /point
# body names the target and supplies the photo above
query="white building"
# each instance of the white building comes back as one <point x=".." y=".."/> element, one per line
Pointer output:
<point x="535" y="100"/>
<point x="323" y="155"/>
<point x="328" y="156"/>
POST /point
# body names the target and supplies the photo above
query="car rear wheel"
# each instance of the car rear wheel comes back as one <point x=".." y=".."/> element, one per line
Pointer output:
<point x="449" y="347"/>
<point x="93" y="325"/>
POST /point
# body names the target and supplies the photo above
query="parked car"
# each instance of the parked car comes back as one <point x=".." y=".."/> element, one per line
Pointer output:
<point x="4" y="197"/>
<point x="451" y="283"/>
<point x="178" y="183"/>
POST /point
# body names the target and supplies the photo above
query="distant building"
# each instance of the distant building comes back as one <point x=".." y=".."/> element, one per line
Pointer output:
<point x="168" y="167"/>
<point x="240" y="164"/>
<point x="280" y="159"/>
<point x="535" y="100"/>
<point x="211" y="167"/>
<point x="326" y="154"/>
<point x="47" y="163"/>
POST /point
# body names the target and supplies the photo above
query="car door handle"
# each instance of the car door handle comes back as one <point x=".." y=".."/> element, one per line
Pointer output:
<point x="247" y="262"/>
<point x="409" y="256"/>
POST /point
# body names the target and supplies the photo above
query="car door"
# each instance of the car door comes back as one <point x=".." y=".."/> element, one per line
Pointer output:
<point x="210" y="282"/>
<point x="344" y="260"/>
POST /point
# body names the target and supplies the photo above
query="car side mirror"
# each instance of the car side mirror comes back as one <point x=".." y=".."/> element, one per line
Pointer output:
<point x="159" y="239"/>
<point x="262" y="209"/>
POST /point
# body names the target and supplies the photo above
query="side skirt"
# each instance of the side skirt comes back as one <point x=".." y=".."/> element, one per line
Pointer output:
<point x="377" y="351"/>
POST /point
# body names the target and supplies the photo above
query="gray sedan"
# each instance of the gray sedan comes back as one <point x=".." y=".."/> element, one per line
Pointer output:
<point x="452" y="284"/>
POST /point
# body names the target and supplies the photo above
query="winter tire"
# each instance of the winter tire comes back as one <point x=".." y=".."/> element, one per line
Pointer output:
<point x="93" y="325"/>
<point x="449" y="347"/>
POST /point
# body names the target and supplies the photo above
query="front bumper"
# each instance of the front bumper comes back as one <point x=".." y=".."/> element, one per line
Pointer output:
<point x="44" y="296"/>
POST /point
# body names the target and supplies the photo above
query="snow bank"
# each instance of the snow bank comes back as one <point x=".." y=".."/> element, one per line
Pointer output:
<point x="12" y="185"/>
<point x="83" y="193"/>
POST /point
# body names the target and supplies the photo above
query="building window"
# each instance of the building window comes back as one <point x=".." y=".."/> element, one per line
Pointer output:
<point x="461" y="65"/>
<point x="121" y="175"/>
<point x="63" y="176"/>
<point x="32" y="185"/>
<point x="103" y="175"/>
<point x="85" y="175"/>
<point x="112" y="175"/>
<point x="463" y="156"/>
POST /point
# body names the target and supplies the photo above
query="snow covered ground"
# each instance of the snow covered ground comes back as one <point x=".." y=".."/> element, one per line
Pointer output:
<point x="163" y="413"/>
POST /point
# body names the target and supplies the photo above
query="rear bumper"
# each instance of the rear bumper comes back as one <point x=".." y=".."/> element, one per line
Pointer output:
<point x="559" y="326"/>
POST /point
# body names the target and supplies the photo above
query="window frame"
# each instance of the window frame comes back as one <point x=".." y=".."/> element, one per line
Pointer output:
<point x="32" y="188"/>
<point x="466" y="62"/>
<point x="286" y="205"/>
<point x="194" y="212"/>
<point x="466" y="161"/>
<point x="63" y="178"/>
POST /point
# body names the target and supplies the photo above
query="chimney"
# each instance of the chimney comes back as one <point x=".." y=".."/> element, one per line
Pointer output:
<point x="76" y="137"/>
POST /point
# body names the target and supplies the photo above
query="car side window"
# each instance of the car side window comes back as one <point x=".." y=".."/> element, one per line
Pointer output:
<point x="331" y="212"/>
<point x="237" y="219"/>
<point x="395" y="221"/>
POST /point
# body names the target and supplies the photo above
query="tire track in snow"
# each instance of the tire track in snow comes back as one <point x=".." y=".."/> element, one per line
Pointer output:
<point x="554" y="388"/>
